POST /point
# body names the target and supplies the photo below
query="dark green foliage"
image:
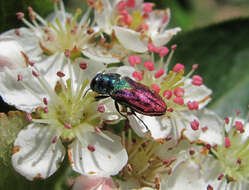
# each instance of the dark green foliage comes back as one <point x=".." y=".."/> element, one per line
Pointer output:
<point x="8" y="9"/>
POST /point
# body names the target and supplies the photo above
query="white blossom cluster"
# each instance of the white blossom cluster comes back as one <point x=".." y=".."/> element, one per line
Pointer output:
<point x="46" y="69"/>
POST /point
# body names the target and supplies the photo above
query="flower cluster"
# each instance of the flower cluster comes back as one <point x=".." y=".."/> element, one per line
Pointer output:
<point x="55" y="70"/>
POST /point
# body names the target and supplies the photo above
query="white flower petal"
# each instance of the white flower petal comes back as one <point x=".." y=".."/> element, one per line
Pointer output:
<point x="163" y="38"/>
<point x="186" y="176"/>
<point x="154" y="124"/>
<point x="196" y="93"/>
<point x="215" y="127"/>
<point x="108" y="158"/>
<point x="156" y="21"/>
<point x="28" y="41"/>
<point x="10" y="54"/>
<point x="14" y="93"/>
<point x="35" y="155"/>
<point x="100" y="55"/>
<point x="125" y="71"/>
<point x="130" y="39"/>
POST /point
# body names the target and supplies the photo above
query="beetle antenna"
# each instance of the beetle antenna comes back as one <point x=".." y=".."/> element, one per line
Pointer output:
<point x="140" y="120"/>
<point x="86" y="92"/>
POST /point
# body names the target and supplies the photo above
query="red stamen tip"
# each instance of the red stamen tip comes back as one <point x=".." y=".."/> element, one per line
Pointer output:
<point x="91" y="148"/>
<point x="193" y="105"/>
<point x="178" y="100"/>
<point x="149" y="65"/>
<point x="152" y="48"/>
<point x="45" y="101"/>
<point x="20" y="15"/>
<point x="35" y="73"/>
<point x="239" y="126"/>
<point x="194" y="125"/>
<point x="179" y="92"/>
<point x="156" y="88"/>
<point x="130" y="3"/>
<point x="60" y="74"/>
<point x="159" y="73"/>
<point x="178" y="68"/>
<point x="29" y="117"/>
<point x="54" y="139"/>
<point x="19" y="78"/>
<point x="197" y="80"/>
<point x="220" y="176"/>
<point x="137" y="75"/>
<point x="45" y="109"/>
<point x="83" y="65"/>
<point x="101" y="108"/>
<point x="163" y="51"/>
<point x="227" y="120"/>
<point x="173" y="47"/>
<point x="67" y="53"/>
<point x="195" y="66"/>
<point x="191" y="152"/>
<point x="167" y="94"/>
<point x="209" y="187"/>
<point x="227" y="142"/>
<point x="134" y="59"/>
<point x="67" y="125"/>
<point x="147" y="7"/>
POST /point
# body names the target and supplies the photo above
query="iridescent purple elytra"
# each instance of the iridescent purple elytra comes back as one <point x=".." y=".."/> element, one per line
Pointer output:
<point x="128" y="93"/>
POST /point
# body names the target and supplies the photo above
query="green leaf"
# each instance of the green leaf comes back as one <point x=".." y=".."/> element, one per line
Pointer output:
<point x="222" y="52"/>
<point x="10" y="125"/>
<point x="8" y="9"/>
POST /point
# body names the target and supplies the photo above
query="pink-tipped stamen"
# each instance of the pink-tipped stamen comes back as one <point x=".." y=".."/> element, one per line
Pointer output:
<point x="147" y="7"/>
<point x="179" y="92"/>
<point x="134" y="59"/>
<point x="178" y="100"/>
<point x="91" y="148"/>
<point x="167" y="94"/>
<point x="19" y="78"/>
<point x="159" y="73"/>
<point x="54" y="140"/>
<point x="156" y="88"/>
<point x="227" y="142"/>
<point x="163" y="51"/>
<point x="67" y="125"/>
<point x="193" y="105"/>
<point x="60" y="74"/>
<point x="83" y="65"/>
<point x="178" y="68"/>
<point x="137" y="75"/>
<point x="101" y="108"/>
<point x="197" y="80"/>
<point x="194" y="125"/>
<point x="29" y="117"/>
<point x="131" y="3"/>
<point x="149" y="65"/>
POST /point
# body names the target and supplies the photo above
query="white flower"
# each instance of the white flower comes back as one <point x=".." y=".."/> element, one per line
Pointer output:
<point x="183" y="97"/>
<point x="220" y="164"/>
<point x="64" y="112"/>
<point x="60" y="32"/>
<point x="135" y="23"/>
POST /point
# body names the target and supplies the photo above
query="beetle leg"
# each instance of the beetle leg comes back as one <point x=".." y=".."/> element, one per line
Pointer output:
<point x="97" y="98"/>
<point x="133" y="112"/>
<point x="117" y="108"/>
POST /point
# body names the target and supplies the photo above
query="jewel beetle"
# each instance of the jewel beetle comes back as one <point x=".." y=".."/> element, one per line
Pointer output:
<point x="129" y="94"/>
